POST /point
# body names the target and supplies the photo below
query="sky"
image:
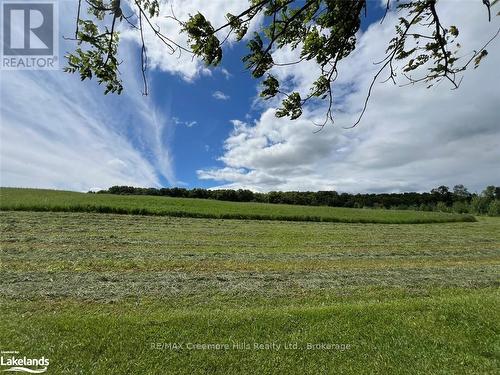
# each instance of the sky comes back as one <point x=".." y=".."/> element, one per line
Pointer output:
<point x="201" y="127"/>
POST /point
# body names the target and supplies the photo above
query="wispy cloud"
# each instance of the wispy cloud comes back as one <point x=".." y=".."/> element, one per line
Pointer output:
<point x="59" y="132"/>
<point x="188" y="124"/>
<point x="183" y="64"/>
<point x="226" y="73"/>
<point x="219" y="95"/>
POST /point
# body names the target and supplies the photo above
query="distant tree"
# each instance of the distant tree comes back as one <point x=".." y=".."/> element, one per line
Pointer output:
<point x="480" y="205"/>
<point x="497" y="192"/>
<point x="489" y="192"/>
<point x="324" y="31"/>
<point x="178" y="192"/>
<point x="494" y="208"/>
<point x="441" y="190"/>
<point x="460" y="207"/>
<point x="245" y="195"/>
<point x="460" y="193"/>
<point x="441" y="206"/>
<point x="439" y="199"/>
<point x="199" y="193"/>
<point x="325" y="198"/>
<point x="425" y="207"/>
<point x="442" y="194"/>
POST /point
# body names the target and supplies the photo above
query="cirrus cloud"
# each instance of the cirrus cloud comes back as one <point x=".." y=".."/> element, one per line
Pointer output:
<point x="59" y="132"/>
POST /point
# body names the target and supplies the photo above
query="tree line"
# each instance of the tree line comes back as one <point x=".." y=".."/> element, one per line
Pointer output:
<point x="442" y="198"/>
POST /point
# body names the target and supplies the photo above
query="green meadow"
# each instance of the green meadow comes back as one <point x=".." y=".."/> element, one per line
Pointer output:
<point x="63" y="201"/>
<point x="118" y="293"/>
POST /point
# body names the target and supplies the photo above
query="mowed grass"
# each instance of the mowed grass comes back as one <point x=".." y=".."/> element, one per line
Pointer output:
<point x="105" y="293"/>
<point x="63" y="201"/>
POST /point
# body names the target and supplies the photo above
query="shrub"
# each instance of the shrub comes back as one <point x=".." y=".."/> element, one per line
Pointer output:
<point x="441" y="206"/>
<point x="494" y="208"/>
<point x="461" y="207"/>
<point x="425" y="207"/>
<point x="479" y="205"/>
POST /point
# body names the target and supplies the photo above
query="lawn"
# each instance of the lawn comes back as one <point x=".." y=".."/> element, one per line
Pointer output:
<point x="63" y="201"/>
<point x="112" y="294"/>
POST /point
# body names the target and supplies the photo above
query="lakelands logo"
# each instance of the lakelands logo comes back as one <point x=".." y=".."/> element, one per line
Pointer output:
<point x="29" y="35"/>
<point x="17" y="363"/>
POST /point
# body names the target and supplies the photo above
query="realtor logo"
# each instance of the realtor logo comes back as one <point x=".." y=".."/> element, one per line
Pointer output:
<point x="29" y="35"/>
<point x="15" y="363"/>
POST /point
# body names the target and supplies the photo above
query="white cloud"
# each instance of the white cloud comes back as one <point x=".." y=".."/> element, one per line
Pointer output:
<point x="411" y="138"/>
<point x="188" y="124"/>
<point x="161" y="57"/>
<point x="226" y="73"/>
<point x="59" y="132"/>
<point x="219" y="95"/>
<point x="55" y="134"/>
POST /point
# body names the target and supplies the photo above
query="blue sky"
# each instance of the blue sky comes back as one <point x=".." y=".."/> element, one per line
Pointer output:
<point x="201" y="128"/>
<point x="199" y="146"/>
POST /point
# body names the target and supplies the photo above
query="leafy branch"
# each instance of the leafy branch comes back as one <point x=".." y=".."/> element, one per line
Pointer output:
<point x="324" y="31"/>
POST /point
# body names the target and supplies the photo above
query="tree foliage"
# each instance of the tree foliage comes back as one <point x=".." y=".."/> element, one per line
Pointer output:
<point x="439" y="199"/>
<point x="323" y="31"/>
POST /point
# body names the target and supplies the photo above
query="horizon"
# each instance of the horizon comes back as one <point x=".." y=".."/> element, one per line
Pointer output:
<point x="96" y="190"/>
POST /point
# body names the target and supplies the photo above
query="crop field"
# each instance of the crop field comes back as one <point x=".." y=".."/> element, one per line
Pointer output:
<point x="62" y="201"/>
<point x="101" y="293"/>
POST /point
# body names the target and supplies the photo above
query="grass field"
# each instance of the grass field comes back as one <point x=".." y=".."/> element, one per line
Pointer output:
<point x="106" y="293"/>
<point x="62" y="201"/>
